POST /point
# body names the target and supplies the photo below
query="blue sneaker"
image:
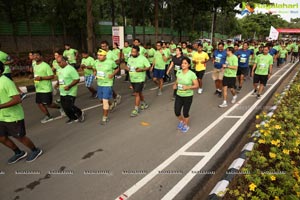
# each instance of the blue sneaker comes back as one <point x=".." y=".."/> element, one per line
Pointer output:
<point x="180" y="125"/>
<point x="185" y="129"/>
<point x="17" y="157"/>
<point x="34" y="155"/>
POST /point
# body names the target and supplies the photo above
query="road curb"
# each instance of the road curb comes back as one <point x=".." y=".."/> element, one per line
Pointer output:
<point x="220" y="189"/>
<point x="31" y="88"/>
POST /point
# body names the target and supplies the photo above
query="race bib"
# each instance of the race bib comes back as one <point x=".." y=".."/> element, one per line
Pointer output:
<point x="177" y="67"/>
<point x="180" y="87"/>
<point x="100" y="74"/>
<point x="35" y="80"/>
<point x="218" y="59"/>
<point x="132" y="69"/>
<point x="243" y="60"/>
<point x="262" y="65"/>
<point x="61" y="82"/>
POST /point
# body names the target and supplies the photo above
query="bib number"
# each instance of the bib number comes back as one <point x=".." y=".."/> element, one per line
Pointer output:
<point x="243" y="60"/>
<point x="218" y="60"/>
<point x="100" y="74"/>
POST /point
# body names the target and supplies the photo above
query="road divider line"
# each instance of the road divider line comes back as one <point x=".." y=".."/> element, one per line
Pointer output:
<point x="194" y="154"/>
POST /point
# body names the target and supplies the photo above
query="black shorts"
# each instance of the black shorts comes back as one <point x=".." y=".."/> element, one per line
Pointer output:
<point x="8" y="75"/>
<point x="137" y="87"/>
<point x="14" y="129"/>
<point x="44" y="98"/>
<point x="295" y="54"/>
<point x="262" y="79"/>
<point x="200" y="74"/>
<point x="242" y="71"/>
<point x="229" y="81"/>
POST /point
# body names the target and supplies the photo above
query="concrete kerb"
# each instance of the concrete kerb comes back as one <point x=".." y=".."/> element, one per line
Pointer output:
<point x="220" y="189"/>
<point x="31" y="88"/>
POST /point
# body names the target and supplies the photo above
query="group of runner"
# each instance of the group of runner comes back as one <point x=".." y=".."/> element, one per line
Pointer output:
<point x="184" y="63"/>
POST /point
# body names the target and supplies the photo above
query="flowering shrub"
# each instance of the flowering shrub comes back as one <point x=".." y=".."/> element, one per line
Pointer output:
<point x="272" y="170"/>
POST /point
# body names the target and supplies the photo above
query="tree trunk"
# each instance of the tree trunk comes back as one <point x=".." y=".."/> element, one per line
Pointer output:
<point x="27" y="18"/>
<point x="156" y="20"/>
<point x="213" y="25"/>
<point x="112" y="4"/>
<point x="89" y="26"/>
<point x="14" y="26"/>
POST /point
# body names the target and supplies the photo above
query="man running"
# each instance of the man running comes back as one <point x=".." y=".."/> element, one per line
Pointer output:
<point x="230" y="71"/>
<point x="71" y="54"/>
<point x="137" y="66"/>
<point x="219" y="58"/>
<point x="87" y="63"/>
<point x="262" y="71"/>
<point x="105" y="70"/>
<point x="200" y="58"/>
<point x="12" y="121"/>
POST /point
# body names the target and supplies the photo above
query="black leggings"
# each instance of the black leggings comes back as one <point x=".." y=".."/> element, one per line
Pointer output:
<point x="67" y="102"/>
<point x="183" y="103"/>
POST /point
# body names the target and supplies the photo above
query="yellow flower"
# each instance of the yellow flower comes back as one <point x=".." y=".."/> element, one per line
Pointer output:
<point x="275" y="142"/>
<point x="276" y="198"/>
<point x="273" y="178"/>
<point x="257" y="126"/>
<point x="257" y="116"/>
<point x="286" y="151"/>
<point x="252" y="187"/>
<point x="277" y="127"/>
<point x="261" y="131"/>
<point x="261" y="141"/>
<point x="272" y="155"/>
<point x="266" y="125"/>
<point x="282" y="132"/>
<point x="298" y="194"/>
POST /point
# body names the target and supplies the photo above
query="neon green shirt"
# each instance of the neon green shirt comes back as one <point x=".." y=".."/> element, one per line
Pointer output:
<point x="56" y="66"/>
<point x="263" y="63"/>
<point x="104" y="69"/>
<point x="138" y="62"/>
<point x="150" y="53"/>
<point x="89" y="62"/>
<point x="283" y="53"/>
<point x="209" y="49"/>
<point x="42" y="69"/>
<point x="3" y="59"/>
<point x="187" y="80"/>
<point x="111" y="56"/>
<point x="71" y="55"/>
<point x="231" y="61"/>
<point x="7" y="91"/>
<point x="159" y="61"/>
<point x="126" y="52"/>
<point x="67" y="76"/>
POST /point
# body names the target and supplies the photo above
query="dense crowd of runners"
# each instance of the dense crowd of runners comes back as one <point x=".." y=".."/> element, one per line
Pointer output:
<point x="184" y="64"/>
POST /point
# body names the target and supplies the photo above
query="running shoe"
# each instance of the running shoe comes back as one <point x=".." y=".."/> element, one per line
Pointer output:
<point x="34" y="155"/>
<point x="46" y="119"/>
<point x="17" y="157"/>
<point x="185" y="129"/>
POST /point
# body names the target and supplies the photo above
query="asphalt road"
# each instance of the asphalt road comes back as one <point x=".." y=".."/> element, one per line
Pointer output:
<point x="142" y="158"/>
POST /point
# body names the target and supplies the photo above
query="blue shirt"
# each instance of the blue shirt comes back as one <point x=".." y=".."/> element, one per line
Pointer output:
<point x="244" y="57"/>
<point x="273" y="52"/>
<point x="220" y="58"/>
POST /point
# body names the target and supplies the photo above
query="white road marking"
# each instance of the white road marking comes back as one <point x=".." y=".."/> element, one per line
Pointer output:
<point x="194" y="153"/>
<point x="185" y="180"/>
<point x="233" y="117"/>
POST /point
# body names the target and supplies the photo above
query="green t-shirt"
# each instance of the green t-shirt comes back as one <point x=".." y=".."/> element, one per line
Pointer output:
<point x="150" y="53"/>
<point x="263" y="63"/>
<point x="67" y="76"/>
<point x="7" y="91"/>
<point x="231" y="61"/>
<point x="283" y="53"/>
<point x="116" y="52"/>
<point x="173" y="46"/>
<point x="209" y="48"/>
<point x="184" y="52"/>
<point x="126" y="52"/>
<point x="3" y="59"/>
<point x="111" y="56"/>
<point x="289" y="47"/>
<point x="42" y="69"/>
<point x="71" y="55"/>
<point x="187" y="80"/>
<point x="89" y="62"/>
<point x="104" y="69"/>
<point x="138" y="62"/>
<point x="295" y="48"/>
<point x="56" y="66"/>
<point x="159" y="61"/>
<point x="167" y="53"/>
<point x="190" y="55"/>
<point x="143" y="51"/>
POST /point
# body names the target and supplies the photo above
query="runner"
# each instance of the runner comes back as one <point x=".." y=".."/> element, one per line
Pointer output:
<point x="87" y="63"/>
<point x="185" y="83"/>
<point x="137" y="67"/>
<point x="243" y="67"/>
<point x="230" y="71"/>
<point x="283" y="53"/>
<point x="12" y="121"/>
<point x="150" y="57"/>
<point x="295" y="52"/>
<point x="72" y="55"/>
<point x="167" y="53"/>
<point x="190" y="53"/>
<point x="262" y="71"/>
<point x="43" y="75"/>
<point x="105" y="70"/>
<point x="176" y="63"/>
<point x="137" y="42"/>
<point x="219" y="58"/>
<point x="68" y="80"/>
<point x="158" y="67"/>
<point x="184" y="48"/>
<point x="126" y="54"/>
<point x="111" y="56"/>
<point x="209" y="49"/>
<point x="200" y="58"/>
<point x="118" y="54"/>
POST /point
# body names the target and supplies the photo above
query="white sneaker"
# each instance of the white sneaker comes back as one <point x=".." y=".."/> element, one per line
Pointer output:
<point x="234" y="99"/>
<point x="200" y="90"/>
<point x="223" y="105"/>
